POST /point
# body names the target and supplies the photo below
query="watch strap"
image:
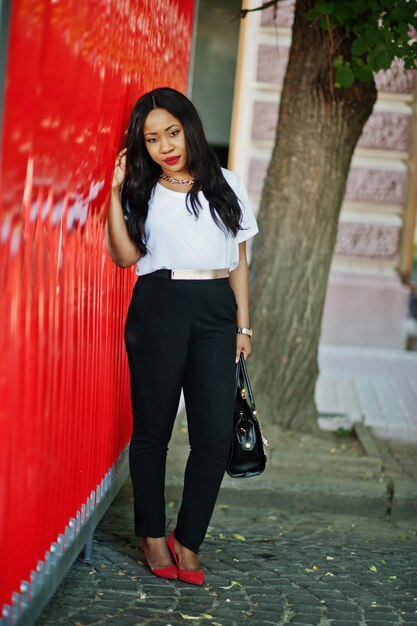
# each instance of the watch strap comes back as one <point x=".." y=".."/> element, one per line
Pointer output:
<point x="241" y="330"/>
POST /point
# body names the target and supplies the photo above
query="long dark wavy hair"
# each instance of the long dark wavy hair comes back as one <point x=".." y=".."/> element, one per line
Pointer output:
<point x="142" y="172"/>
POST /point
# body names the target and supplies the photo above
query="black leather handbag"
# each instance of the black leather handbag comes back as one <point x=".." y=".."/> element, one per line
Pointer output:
<point x="247" y="452"/>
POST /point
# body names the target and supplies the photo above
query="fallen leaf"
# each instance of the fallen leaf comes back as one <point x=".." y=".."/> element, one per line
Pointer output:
<point x="238" y="536"/>
<point x="195" y="617"/>
<point x="329" y="558"/>
<point x="92" y="571"/>
<point x="372" y="568"/>
<point x="329" y="574"/>
<point x="392" y="578"/>
<point x="315" y="568"/>
<point x="233" y="583"/>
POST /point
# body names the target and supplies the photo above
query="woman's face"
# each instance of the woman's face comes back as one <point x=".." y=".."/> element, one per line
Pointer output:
<point x="165" y="141"/>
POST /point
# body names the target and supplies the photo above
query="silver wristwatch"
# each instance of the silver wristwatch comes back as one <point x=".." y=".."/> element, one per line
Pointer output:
<point x="244" y="331"/>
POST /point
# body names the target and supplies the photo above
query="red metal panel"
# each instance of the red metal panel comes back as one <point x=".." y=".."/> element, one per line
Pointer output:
<point x="74" y="71"/>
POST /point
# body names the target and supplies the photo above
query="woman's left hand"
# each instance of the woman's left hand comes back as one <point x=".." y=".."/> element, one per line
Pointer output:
<point x="243" y="345"/>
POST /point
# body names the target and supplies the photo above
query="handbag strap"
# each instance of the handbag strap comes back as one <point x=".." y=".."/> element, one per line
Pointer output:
<point x="242" y="378"/>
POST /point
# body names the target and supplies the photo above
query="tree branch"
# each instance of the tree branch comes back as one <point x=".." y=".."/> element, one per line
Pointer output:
<point x="265" y="5"/>
<point x="243" y="12"/>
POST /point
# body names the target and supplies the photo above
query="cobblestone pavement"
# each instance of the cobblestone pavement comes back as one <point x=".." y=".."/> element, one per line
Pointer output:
<point x="263" y="566"/>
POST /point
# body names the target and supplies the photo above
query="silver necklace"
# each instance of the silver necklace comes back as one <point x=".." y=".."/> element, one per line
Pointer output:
<point x="177" y="181"/>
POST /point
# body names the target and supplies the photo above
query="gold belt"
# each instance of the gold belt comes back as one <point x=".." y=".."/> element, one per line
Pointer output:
<point x="199" y="274"/>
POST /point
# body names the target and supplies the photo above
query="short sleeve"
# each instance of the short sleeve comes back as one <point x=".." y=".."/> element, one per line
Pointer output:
<point x="249" y="226"/>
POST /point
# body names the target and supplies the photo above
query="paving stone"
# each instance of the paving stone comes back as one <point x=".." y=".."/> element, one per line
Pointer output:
<point x="262" y="595"/>
<point x="409" y="615"/>
<point x="348" y="622"/>
<point x="309" y="623"/>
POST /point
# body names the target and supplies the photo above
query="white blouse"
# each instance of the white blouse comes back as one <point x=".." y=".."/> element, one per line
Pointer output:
<point x="176" y="239"/>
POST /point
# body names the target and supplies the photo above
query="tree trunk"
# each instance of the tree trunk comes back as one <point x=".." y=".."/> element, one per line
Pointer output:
<point x="317" y="131"/>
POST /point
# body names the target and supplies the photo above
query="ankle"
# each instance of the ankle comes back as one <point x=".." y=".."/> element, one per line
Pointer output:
<point x="185" y="554"/>
<point x="149" y="541"/>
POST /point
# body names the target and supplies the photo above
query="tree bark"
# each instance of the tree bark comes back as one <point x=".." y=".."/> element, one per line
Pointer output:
<point x="317" y="131"/>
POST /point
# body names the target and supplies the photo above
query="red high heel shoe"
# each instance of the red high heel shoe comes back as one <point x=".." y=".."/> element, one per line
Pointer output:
<point x="187" y="576"/>
<point x="169" y="571"/>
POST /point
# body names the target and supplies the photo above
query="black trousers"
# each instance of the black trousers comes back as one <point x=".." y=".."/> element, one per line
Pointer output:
<point x="180" y="334"/>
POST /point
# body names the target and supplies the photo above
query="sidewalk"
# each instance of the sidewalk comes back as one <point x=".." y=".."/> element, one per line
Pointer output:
<point x="310" y="543"/>
<point x="264" y="567"/>
<point x="327" y="536"/>
<point x="375" y="386"/>
<point x="375" y="392"/>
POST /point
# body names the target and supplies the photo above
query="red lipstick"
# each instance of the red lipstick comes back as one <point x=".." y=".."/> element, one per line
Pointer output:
<point x="172" y="160"/>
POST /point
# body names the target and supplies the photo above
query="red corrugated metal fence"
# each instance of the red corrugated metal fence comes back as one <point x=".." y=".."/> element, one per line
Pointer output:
<point x="74" y="71"/>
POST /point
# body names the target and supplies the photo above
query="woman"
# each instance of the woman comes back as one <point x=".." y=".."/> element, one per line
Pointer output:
<point x="184" y="221"/>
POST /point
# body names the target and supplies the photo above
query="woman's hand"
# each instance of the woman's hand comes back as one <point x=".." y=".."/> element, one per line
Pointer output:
<point x="242" y="345"/>
<point x="121" y="248"/>
<point x="119" y="170"/>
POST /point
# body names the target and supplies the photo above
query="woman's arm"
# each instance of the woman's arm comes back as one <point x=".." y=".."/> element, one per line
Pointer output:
<point x="121" y="248"/>
<point x="238" y="280"/>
